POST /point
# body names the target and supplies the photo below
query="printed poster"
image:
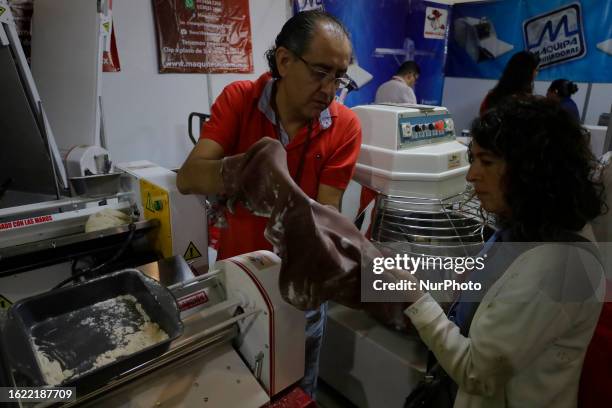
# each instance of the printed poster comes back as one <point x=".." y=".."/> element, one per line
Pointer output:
<point x="203" y="36"/>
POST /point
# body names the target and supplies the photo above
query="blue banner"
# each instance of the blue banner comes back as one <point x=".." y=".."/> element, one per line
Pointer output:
<point x="387" y="33"/>
<point x="572" y="38"/>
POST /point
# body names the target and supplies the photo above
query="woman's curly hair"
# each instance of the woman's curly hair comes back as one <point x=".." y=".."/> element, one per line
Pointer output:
<point x="548" y="179"/>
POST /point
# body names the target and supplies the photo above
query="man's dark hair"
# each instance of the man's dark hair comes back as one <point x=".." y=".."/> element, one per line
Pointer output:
<point x="563" y="87"/>
<point x="297" y="34"/>
<point x="547" y="181"/>
<point x="408" y="67"/>
<point x="517" y="78"/>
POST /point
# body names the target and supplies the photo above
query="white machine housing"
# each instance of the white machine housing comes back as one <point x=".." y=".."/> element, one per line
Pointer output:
<point x="183" y="224"/>
<point x="242" y="344"/>
<point x="410" y="151"/>
<point x="265" y="357"/>
<point x="276" y="336"/>
<point x="86" y="160"/>
<point x="479" y="39"/>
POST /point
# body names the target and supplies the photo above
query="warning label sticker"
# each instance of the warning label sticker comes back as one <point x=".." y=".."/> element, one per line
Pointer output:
<point x="454" y="161"/>
<point x="259" y="261"/>
<point x="157" y="207"/>
<point x="192" y="252"/>
<point x="154" y="204"/>
<point x="193" y="300"/>
<point x="4" y="303"/>
<point x="25" y="222"/>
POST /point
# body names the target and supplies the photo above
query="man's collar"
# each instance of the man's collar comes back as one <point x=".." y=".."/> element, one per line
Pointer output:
<point x="325" y="117"/>
<point x="264" y="101"/>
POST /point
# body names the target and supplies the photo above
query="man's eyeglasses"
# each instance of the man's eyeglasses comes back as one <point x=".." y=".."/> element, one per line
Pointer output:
<point x="325" y="76"/>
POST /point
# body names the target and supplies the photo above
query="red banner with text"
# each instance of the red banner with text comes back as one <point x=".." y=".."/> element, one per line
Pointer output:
<point x="110" y="56"/>
<point x="203" y="36"/>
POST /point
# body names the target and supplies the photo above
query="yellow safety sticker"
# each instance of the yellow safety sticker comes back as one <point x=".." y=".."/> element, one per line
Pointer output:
<point x="157" y="206"/>
<point x="192" y="252"/>
<point x="154" y="204"/>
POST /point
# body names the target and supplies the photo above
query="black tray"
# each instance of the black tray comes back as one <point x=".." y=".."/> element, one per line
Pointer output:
<point x="56" y="318"/>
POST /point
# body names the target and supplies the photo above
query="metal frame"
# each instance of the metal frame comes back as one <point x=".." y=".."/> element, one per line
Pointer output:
<point x="193" y="344"/>
<point x="429" y="224"/>
<point x="10" y="38"/>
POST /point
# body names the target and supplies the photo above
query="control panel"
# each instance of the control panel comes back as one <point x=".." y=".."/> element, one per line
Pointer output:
<point x="424" y="129"/>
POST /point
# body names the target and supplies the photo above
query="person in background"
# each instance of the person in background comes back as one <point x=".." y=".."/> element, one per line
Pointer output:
<point x="399" y="89"/>
<point x="561" y="91"/>
<point x="293" y="103"/>
<point x="516" y="80"/>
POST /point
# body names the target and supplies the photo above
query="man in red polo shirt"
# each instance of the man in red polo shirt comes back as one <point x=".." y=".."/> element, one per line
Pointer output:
<point x="293" y="103"/>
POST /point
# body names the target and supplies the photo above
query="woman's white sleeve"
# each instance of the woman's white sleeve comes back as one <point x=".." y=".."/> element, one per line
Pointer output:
<point x="517" y="323"/>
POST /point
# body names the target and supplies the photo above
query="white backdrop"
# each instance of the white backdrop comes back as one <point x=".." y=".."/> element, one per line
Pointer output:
<point x="146" y="112"/>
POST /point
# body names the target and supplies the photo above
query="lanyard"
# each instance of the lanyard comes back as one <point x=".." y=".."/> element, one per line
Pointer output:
<point x="300" y="169"/>
<point x="461" y="312"/>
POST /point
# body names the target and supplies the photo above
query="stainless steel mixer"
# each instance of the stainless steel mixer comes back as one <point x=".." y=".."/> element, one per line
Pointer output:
<point x="429" y="226"/>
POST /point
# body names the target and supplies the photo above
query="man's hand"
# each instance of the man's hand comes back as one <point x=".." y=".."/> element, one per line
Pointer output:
<point x="259" y="177"/>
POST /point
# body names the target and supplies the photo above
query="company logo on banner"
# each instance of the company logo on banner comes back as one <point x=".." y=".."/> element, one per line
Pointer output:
<point x="573" y="38"/>
<point x="556" y="36"/>
<point x="436" y="21"/>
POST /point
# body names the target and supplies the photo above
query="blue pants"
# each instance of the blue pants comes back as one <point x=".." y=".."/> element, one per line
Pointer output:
<point x="315" y="327"/>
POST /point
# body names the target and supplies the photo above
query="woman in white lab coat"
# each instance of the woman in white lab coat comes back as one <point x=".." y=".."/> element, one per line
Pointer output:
<point x="522" y="343"/>
<point x="521" y="340"/>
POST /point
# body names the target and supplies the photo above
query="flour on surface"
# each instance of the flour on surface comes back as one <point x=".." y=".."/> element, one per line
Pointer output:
<point x="121" y="322"/>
